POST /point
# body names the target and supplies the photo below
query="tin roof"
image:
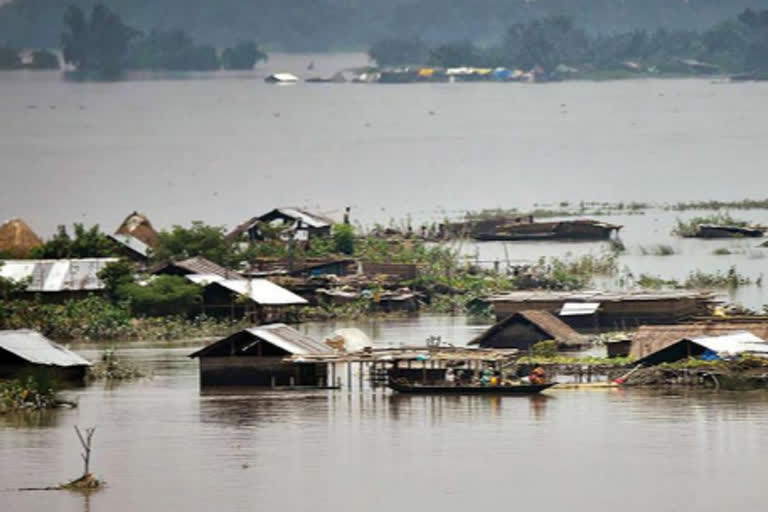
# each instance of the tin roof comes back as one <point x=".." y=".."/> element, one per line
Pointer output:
<point x="544" y="320"/>
<point x="57" y="275"/>
<point x="37" y="349"/>
<point x="597" y="296"/>
<point x="279" y="335"/>
<point x="579" y="308"/>
<point x="262" y="291"/>
<point x="652" y="338"/>
<point x="734" y="343"/>
<point x="199" y="265"/>
<point x="309" y="219"/>
<point x="132" y="243"/>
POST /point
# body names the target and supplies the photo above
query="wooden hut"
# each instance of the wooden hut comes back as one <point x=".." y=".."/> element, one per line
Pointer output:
<point x="17" y="239"/>
<point x="138" y="226"/>
<point x="257" y="357"/>
<point x="526" y="328"/>
<point x="29" y="352"/>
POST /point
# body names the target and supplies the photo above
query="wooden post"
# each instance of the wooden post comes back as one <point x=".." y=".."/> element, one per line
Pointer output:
<point x="291" y="381"/>
<point x="424" y="372"/>
<point x="361" y="376"/>
<point x="349" y="376"/>
<point x="273" y="380"/>
<point x="333" y="373"/>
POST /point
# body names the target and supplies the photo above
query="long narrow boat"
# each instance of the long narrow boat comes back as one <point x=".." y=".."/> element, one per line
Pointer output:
<point x="519" y="389"/>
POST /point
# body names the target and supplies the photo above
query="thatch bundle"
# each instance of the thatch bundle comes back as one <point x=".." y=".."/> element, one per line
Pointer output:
<point x="17" y="239"/>
<point x="138" y="226"/>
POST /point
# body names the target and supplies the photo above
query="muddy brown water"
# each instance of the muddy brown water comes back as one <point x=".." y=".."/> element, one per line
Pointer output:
<point x="162" y="444"/>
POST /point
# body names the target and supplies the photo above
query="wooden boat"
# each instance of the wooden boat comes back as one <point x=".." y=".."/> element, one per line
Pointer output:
<point x="518" y="389"/>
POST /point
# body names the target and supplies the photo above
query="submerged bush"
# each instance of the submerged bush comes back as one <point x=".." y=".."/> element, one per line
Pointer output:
<point x="31" y="393"/>
<point x="690" y="227"/>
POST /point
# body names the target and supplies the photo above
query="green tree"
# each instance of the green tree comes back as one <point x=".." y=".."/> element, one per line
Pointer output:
<point x="458" y="54"/>
<point x="242" y="56"/>
<point x="87" y="243"/>
<point x="398" y="52"/>
<point x="96" y="44"/>
<point x="9" y="58"/>
<point x="199" y="239"/>
<point x="171" y="50"/>
<point x="162" y="296"/>
<point x="43" y="59"/>
<point x="344" y="238"/>
<point x="114" y="275"/>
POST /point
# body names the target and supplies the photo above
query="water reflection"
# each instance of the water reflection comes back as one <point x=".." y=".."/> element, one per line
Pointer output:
<point x="30" y="419"/>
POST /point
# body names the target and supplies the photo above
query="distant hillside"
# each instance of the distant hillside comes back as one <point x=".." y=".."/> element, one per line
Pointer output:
<point x="321" y="25"/>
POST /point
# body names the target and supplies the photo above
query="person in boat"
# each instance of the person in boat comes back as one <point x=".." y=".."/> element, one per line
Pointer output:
<point x="450" y="377"/>
<point x="538" y="376"/>
<point x="485" y="377"/>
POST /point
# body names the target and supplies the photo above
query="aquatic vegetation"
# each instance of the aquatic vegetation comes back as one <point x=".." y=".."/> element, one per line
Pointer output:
<point x="730" y="279"/>
<point x="690" y="228"/>
<point x="744" y="204"/>
<point x="110" y="367"/>
<point x="657" y="250"/>
<point x="546" y="349"/>
<point x="650" y="282"/>
<point x="31" y="393"/>
<point x="722" y="251"/>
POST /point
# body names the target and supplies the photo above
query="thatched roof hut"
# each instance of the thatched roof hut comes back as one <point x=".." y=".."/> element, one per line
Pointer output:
<point x="17" y="239"/>
<point x="138" y="226"/>
<point x="526" y="328"/>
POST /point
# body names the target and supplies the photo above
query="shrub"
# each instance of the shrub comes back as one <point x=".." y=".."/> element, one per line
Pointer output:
<point x="545" y="349"/>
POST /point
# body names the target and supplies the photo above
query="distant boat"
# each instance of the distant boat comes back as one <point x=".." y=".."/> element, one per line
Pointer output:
<point x="281" y="78"/>
<point x="715" y="231"/>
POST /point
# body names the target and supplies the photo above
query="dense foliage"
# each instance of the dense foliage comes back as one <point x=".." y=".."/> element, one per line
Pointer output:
<point x="86" y="243"/>
<point x="737" y="45"/>
<point x="31" y="393"/>
<point x="199" y="239"/>
<point x="96" y="44"/>
<point x="320" y="25"/>
<point x="162" y="296"/>
<point x="243" y="55"/>
<point x="171" y="50"/>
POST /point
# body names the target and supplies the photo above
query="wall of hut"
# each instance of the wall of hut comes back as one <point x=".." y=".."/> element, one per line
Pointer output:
<point x="259" y="371"/>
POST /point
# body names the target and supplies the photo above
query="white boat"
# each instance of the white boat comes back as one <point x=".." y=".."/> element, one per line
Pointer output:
<point x="281" y="78"/>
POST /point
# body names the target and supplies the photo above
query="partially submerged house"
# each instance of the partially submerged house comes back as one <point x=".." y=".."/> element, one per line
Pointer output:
<point x="298" y="223"/>
<point x="137" y="225"/>
<point x="29" y="352"/>
<point x="257" y="357"/>
<point x="593" y="310"/>
<point x="17" y="239"/>
<point x="58" y="279"/>
<point x="708" y="348"/>
<point x="653" y="338"/>
<point x="526" y="328"/>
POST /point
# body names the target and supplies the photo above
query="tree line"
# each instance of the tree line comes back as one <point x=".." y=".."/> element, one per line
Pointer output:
<point x="103" y="44"/>
<point x="323" y="25"/>
<point x="735" y="45"/>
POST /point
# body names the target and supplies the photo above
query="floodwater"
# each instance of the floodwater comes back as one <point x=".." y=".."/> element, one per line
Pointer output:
<point x="222" y="147"/>
<point x="162" y="444"/>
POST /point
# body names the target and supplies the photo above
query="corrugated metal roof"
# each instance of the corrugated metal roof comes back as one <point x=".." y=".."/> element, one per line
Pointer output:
<point x="652" y="338"/>
<point x="132" y="243"/>
<point x="200" y="265"/>
<point x="57" y="275"/>
<point x="289" y="339"/>
<point x="597" y="296"/>
<point x="204" y="279"/>
<point x="310" y="219"/>
<point x="733" y="343"/>
<point x="262" y="291"/>
<point x="279" y="335"/>
<point x="579" y="308"/>
<point x="37" y="349"/>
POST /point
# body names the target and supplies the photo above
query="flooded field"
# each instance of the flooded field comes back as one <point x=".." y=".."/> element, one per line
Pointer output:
<point x="163" y="444"/>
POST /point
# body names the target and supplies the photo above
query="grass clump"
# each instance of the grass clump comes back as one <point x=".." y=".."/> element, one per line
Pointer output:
<point x="722" y="251"/>
<point x="731" y="279"/>
<point x="110" y="367"/>
<point x="27" y="394"/>
<point x="657" y="250"/>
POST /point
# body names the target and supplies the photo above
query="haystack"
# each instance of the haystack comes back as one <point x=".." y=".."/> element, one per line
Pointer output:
<point x="17" y="239"/>
<point x="138" y="226"/>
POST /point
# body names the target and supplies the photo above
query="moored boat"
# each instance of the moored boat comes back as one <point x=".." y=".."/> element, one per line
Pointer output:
<point x="516" y="389"/>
